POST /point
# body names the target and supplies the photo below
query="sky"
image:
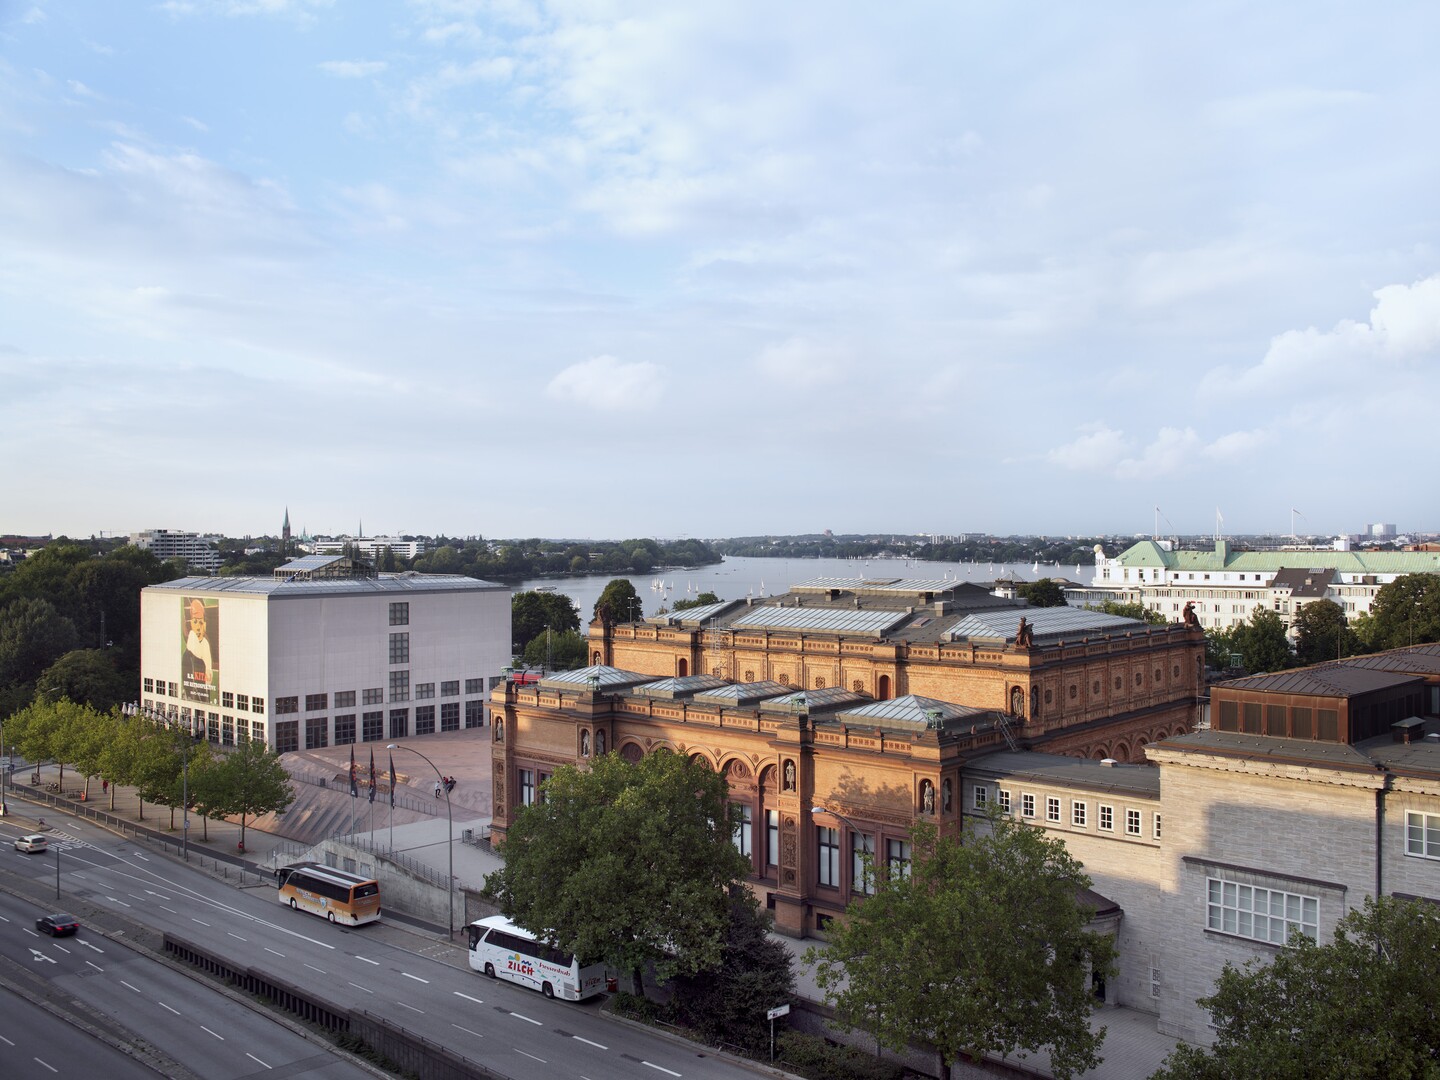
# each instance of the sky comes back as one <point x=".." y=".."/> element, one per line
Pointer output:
<point x="717" y="269"/>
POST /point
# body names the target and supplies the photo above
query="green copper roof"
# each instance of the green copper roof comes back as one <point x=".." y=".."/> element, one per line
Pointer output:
<point x="1147" y="554"/>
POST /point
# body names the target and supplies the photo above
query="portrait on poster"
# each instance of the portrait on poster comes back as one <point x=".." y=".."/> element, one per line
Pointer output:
<point x="200" y="650"/>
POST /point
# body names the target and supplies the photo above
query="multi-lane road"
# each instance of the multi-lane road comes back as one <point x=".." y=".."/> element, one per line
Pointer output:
<point x="384" y="970"/>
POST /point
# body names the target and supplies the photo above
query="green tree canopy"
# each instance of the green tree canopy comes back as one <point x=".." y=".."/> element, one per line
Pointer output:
<point x="1264" y="643"/>
<point x="531" y="612"/>
<point x="1404" y="612"/>
<point x="1361" y="1007"/>
<point x="703" y="600"/>
<point x="88" y="676"/>
<point x="1133" y="610"/>
<point x="619" y="602"/>
<point x="1047" y="592"/>
<point x="33" y="635"/>
<point x="626" y="863"/>
<point x="1322" y="634"/>
<point x="556" y="652"/>
<point x="981" y="948"/>
<point x="248" y="781"/>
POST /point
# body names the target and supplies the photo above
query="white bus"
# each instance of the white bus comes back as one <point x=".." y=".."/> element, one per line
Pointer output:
<point x="503" y="950"/>
<point x="341" y="897"/>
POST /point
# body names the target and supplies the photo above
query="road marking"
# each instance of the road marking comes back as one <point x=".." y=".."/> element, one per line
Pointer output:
<point x="169" y="909"/>
<point x="467" y="997"/>
<point x="589" y="1042"/>
<point x="129" y="987"/>
<point x="312" y="967"/>
<point x="136" y="896"/>
<point x="367" y="959"/>
<point x="122" y="903"/>
<point x="6" y="1041"/>
<point x="47" y="1065"/>
<point x="532" y="1057"/>
<point x="417" y="978"/>
<point x="158" y="896"/>
<point x="465" y="1029"/>
<point x="222" y="1037"/>
<point x="62" y="948"/>
<point x="97" y="967"/>
<point x="660" y="1068"/>
<point x="410" y="1007"/>
<point x="92" y="948"/>
<point x="202" y="922"/>
<point x="365" y="988"/>
<point x="236" y="936"/>
<point x="39" y="956"/>
<point x="142" y="858"/>
<point x="164" y="1006"/>
<point x="520" y="1016"/>
<point x="252" y="1057"/>
<point x="270" y="950"/>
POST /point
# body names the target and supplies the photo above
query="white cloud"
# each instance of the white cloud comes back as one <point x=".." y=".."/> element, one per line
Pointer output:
<point x="800" y="362"/>
<point x="607" y="384"/>
<point x="1171" y="449"/>
<point x="353" y="69"/>
<point x="1237" y="446"/>
<point x="1408" y="316"/>
<point x="1096" y="450"/>
<point x="198" y="125"/>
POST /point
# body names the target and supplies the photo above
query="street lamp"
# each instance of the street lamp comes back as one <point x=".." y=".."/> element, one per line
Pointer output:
<point x="450" y="827"/>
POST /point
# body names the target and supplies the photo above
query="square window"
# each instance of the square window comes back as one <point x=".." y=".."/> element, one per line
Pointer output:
<point x="227" y="700"/>
<point x="344" y="729"/>
<point x="424" y="719"/>
<point x="372" y="726"/>
<point x="242" y="702"/>
<point x="287" y="736"/>
<point x="1107" y="819"/>
<point x="399" y="686"/>
<point x="474" y="686"/>
<point x="374" y="697"/>
<point x="1052" y="808"/>
<point x="286" y="705"/>
<point x="257" y="705"/>
<point x="424" y="690"/>
<point x="1027" y="805"/>
<point x="474" y="714"/>
<point x="1079" y="811"/>
<point x="316" y="702"/>
<point x="400" y="614"/>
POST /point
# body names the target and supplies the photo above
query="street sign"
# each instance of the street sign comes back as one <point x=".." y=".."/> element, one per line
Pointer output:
<point x="778" y="1011"/>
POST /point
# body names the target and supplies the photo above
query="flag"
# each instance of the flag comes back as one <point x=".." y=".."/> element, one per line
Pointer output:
<point x="354" y="787"/>
<point x="392" y="781"/>
<point x="372" y="774"/>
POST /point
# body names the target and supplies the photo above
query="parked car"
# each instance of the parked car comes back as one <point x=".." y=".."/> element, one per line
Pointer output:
<point x="33" y="842"/>
<point x="57" y="925"/>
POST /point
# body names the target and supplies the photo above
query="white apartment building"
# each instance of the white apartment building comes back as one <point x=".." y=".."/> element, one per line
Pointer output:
<point x="371" y="547"/>
<point x="1226" y="586"/>
<point x="325" y="652"/>
<point x="198" y="551"/>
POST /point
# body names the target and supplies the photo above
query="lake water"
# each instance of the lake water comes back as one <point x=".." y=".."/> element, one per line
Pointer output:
<point x="736" y="578"/>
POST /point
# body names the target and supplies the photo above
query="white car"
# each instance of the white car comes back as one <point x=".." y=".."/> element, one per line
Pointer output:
<point x="33" y="842"/>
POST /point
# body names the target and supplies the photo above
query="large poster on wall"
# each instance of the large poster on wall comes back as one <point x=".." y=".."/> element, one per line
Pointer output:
<point x="200" y="650"/>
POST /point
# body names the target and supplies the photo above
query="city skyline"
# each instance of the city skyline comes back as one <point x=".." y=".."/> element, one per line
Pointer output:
<point x="568" y="270"/>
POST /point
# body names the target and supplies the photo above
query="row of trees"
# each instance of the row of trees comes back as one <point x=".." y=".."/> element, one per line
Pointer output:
<point x="512" y="559"/>
<point x="987" y="549"/>
<point x="160" y="761"/>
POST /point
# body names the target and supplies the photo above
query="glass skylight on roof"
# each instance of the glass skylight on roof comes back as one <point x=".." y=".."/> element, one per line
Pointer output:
<point x="822" y="619"/>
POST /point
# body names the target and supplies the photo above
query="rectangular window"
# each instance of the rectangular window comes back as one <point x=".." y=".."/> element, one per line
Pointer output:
<point x="344" y="699"/>
<point x="286" y="705"/>
<point x="1132" y="822"/>
<point x="399" y="686"/>
<point x="424" y="719"/>
<point x="1027" y="805"/>
<point x="372" y="726"/>
<point x="257" y="731"/>
<point x="227" y="700"/>
<point x="772" y="837"/>
<point x="1156" y="821"/>
<point x="227" y="731"/>
<point x="424" y="690"/>
<point x="745" y="830"/>
<point x="399" y="648"/>
<point x="1107" y="818"/>
<point x="287" y="736"/>
<point x="829" y="862"/>
<point x="149" y="686"/>
<point x="316" y="702"/>
<point x="373" y="697"/>
<point x="400" y="614"/>
<point x="1004" y="799"/>
<point x="980" y="797"/>
<point x="345" y="729"/>
<point x="474" y="686"/>
<point x="450" y="716"/>
<point x="399" y="723"/>
<point x="1267" y="915"/>
<point x="1052" y="808"/>
<point x="242" y="702"/>
<point x="1079" y="811"/>
<point x="317" y="732"/>
<point x="450" y="688"/>
<point x="862" y="863"/>
<point x="897" y="858"/>
<point x="257" y="705"/>
<point x="526" y="787"/>
<point x="474" y="714"/>
<point x="1422" y="835"/>
<point x="212" y="727"/>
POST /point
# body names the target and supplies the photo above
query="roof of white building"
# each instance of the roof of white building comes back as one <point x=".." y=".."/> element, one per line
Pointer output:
<point x="1147" y="553"/>
<point x="409" y="582"/>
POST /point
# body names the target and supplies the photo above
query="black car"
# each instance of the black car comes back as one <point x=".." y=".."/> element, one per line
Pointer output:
<point x="58" y="925"/>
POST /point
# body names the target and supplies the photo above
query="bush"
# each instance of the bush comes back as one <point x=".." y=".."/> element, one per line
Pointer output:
<point x="812" y="1056"/>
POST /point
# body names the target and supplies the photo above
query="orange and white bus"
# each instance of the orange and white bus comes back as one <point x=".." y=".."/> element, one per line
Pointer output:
<point x="342" y="897"/>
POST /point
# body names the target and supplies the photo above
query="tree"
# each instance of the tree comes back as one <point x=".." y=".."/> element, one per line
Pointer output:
<point x="705" y="599"/>
<point x="618" y="603"/>
<point x="88" y="676"/>
<point x="249" y="781"/>
<point x="1405" y="612"/>
<point x="33" y="635"/>
<point x="1321" y="633"/>
<point x="625" y="863"/>
<point x="1361" y="1006"/>
<point x="981" y="948"/>
<point x="532" y="612"/>
<point x="1264" y="643"/>
<point x="1222" y="646"/>
<point x="729" y="1003"/>
<point x="556" y="652"/>
<point x="1133" y="610"/>
<point x="1047" y="592"/>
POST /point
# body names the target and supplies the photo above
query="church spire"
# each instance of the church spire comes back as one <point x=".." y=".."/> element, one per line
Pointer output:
<point x="285" y="534"/>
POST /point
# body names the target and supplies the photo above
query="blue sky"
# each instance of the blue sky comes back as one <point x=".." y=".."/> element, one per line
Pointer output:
<point x="600" y="269"/>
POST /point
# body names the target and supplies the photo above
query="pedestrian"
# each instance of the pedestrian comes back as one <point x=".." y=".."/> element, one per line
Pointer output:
<point x="104" y="787"/>
<point x="437" y="789"/>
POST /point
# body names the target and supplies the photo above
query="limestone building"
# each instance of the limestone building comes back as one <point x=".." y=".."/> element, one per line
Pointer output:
<point x="324" y="652"/>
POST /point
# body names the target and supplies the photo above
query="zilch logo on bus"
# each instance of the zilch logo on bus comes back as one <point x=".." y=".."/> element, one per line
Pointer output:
<point x="520" y="965"/>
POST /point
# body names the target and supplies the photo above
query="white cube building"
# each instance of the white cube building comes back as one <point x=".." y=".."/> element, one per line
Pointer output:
<point x="326" y="652"/>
